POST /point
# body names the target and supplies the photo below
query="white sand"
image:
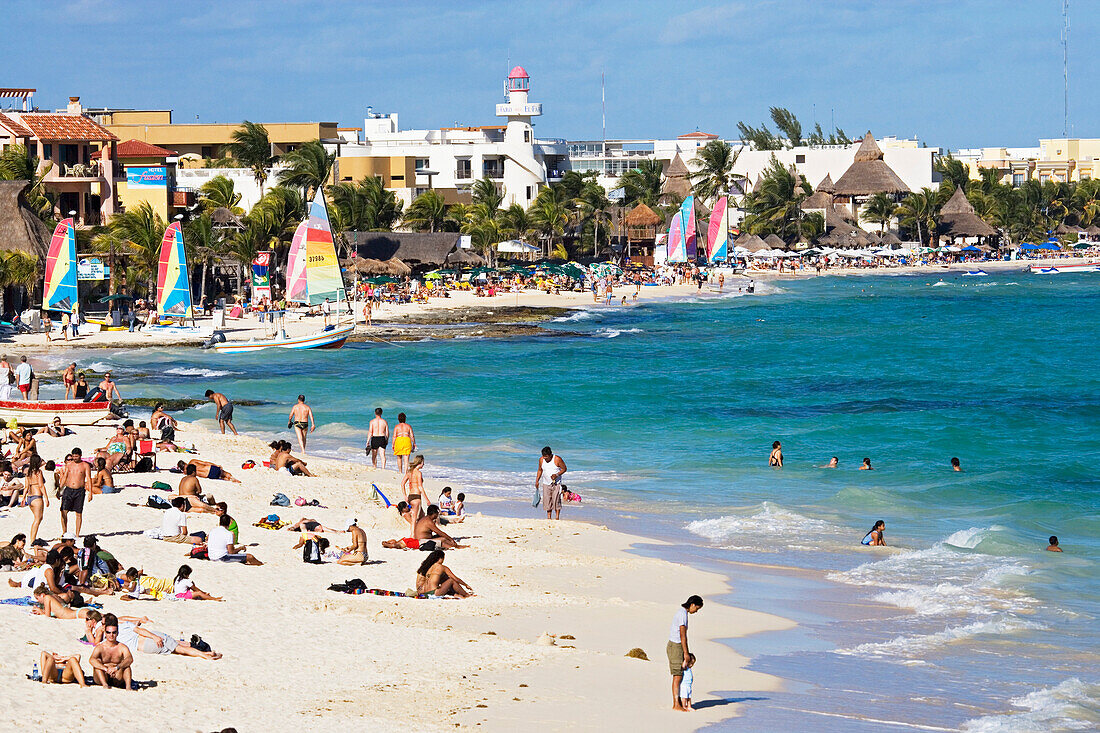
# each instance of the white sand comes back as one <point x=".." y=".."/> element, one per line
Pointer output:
<point x="298" y="656"/>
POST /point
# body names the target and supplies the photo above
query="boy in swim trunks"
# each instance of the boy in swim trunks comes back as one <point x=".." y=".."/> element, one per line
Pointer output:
<point x="224" y="409"/>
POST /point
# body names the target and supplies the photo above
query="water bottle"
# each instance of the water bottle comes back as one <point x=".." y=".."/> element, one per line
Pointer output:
<point x="35" y="675"/>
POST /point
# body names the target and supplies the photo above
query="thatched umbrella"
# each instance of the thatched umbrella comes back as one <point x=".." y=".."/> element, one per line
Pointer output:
<point x="20" y="229"/>
<point x="868" y="174"/>
<point x="754" y="243"/>
<point x="392" y="266"/>
<point x="677" y="179"/>
<point x="957" y="219"/>
<point x="773" y="241"/>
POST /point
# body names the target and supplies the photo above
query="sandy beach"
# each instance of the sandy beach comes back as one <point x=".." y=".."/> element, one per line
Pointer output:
<point x="558" y="606"/>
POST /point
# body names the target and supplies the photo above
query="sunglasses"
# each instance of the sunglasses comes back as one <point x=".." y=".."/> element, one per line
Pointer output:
<point x="109" y="631"/>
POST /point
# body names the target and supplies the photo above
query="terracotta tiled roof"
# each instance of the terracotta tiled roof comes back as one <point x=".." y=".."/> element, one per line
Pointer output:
<point x="697" y="135"/>
<point x="15" y="128"/>
<point x="46" y="126"/>
<point x="138" y="149"/>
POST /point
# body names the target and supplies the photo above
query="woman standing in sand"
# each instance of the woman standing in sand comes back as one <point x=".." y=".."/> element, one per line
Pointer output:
<point x="677" y="648"/>
<point x="413" y="486"/>
<point x="35" y="494"/>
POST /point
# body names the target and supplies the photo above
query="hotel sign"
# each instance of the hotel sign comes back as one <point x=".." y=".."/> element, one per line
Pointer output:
<point x="519" y="110"/>
<point x="147" y="177"/>
<point x="92" y="270"/>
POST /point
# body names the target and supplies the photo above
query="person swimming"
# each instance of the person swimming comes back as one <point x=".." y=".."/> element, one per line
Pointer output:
<point x="776" y="457"/>
<point x="876" y="537"/>
<point x="866" y="465"/>
<point x="955" y="466"/>
<point x="1053" y="546"/>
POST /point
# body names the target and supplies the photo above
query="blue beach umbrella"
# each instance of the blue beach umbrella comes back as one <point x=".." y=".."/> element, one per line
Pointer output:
<point x="970" y="248"/>
<point x="1049" y="245"/>
<point x="1029" y="246"/>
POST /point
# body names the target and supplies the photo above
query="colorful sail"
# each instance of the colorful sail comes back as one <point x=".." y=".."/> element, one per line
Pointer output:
<point x="687" y="215"/>
<point x="676" y="251"/>
<point x="173" y="281"/>
<point x="323" y="276"/>
<point x="718" y="232"/>
<point x="296" y="267"/>
<point x="59" y="293"/>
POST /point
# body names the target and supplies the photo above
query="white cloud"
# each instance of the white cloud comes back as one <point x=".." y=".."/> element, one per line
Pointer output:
<point x="705" y="22"/>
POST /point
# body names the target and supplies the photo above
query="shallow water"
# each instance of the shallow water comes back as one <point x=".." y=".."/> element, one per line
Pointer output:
<point x="666" y="413"/>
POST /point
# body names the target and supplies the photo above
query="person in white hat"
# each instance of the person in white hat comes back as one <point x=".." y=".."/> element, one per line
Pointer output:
<point x="356" y="553"/>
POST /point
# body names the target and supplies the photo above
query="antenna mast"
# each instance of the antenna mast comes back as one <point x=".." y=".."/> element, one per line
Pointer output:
<point x="1065" y="67"/>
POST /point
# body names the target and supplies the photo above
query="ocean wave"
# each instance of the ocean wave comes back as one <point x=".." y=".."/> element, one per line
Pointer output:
<point x="941" y="284"/>
<point x="765" y="519"/>
<point x="1068" y="706"/>
<point x="198" y="372"/>
<point x="340" y="430"/>
<point x="916" y="644"/>
<point x="613" y="332"/>
<point x="951" y="578"/>
<point x="581" y="315"/>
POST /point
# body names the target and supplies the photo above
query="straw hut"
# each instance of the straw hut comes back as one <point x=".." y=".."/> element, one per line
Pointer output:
<point x="419" y="249"/>
<point x="463" y="257"/>
<point x="223" y="218"/>
<point x="677" y="180"/>
<point x="826" y="185"/>
<point x="753" y="243"/>
<point x="867" y="175"/>
<point x="773" y="241"/>
<point x="20" y="229"/>
<point x="839" y="234"/>
<point x="641" y="224"/>
<point x="957" y="219"/>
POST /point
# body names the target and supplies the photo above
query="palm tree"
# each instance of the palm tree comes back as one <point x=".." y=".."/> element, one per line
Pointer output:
<point x="1086" y="201"/>
<point x="17" y="164"/>
<point x="550" y="215"/>
<point x="138" y="232"/>
<point x="252" y="147"/>
<point x="714" y="176"/>
<point x="364" y="206"/>
<point x="516" y="223"/>
<point x="485" y="192"/>
<point x="953" y="170"/>
<point x="880" y="209"/>
<point x="427" y="212"/>
<point x="642" y="184"/>
<point x="18" y="269"/>
<point x="592" y="205"/>
<point x="203" y="246"/>
<point x="220" y="193"/>
<point x="307" y="168"/>
<point x="919" y="211"/>
<point x="776" y="207"/>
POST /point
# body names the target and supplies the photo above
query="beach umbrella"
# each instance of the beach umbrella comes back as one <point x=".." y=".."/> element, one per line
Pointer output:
<point x="381" y="280"/>
<point x="1029" y="246"/>
<point x="1048" y="245"/>
<point x="109" y="298"/>
<point x="970" y="248"/>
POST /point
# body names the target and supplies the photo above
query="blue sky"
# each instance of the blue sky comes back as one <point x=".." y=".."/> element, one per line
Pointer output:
<point x="954" y="74"/>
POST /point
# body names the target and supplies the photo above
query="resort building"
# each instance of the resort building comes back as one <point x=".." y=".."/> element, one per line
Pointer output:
<point x="450" y="159"/>
<point x="64" y="144"/>
<point x="1056" y="159"/>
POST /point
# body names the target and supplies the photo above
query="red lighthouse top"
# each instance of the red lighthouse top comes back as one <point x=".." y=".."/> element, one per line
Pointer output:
<point x="518" y="80"/>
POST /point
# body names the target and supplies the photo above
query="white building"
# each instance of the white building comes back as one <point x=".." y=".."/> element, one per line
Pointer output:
<point x="450" y="159"/>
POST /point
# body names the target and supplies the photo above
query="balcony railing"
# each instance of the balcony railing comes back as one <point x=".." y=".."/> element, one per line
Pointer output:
<point x="463" y="174"/>
<point x="493" y="172"/>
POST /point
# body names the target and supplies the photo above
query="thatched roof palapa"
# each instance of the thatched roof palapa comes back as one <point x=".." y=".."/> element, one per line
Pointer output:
<point x="957" y="218"/>
<point x="774" y="241"/>
<point x="464" y="257"/>
<point x="20" y="229"/>
<point x="868" y="174"/>
<point x="754" y="243"/>
<point x="641" y="216"/>
<point x="414" y="247"/>
<point x="826" y="185"/>
<point x="677" y="178"/>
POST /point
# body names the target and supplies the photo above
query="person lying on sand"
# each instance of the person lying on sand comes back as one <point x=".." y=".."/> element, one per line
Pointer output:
<point x="54" y="607"/>
<point x="136" y="582"/>
<point x="206" y="469"/>
<point x="309" y="525"/>
<point x="436" y="578"/>
<point x="55" y="429"/>
<point x="426" y="536"/>
<point x="61" y="670"/>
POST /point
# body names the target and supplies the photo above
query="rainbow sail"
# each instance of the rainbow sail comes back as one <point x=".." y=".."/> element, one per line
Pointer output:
<point x="173" y="282"/>
<point x="676" y="251"/>
<point x="687" y="215"/>
<point x="323" y="276"/>
<point x="718" y="232"/>
<point x="59" y="292"/>
<point x="296" y="267"/>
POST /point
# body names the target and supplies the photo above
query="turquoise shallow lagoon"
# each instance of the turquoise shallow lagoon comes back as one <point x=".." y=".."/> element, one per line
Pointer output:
<point x="666" y="413"/>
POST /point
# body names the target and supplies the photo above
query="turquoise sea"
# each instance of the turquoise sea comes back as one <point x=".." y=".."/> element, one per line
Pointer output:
<point x="666" y="412"/>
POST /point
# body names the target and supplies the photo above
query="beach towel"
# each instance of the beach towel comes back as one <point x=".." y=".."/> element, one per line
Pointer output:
<point x="28" y="601"/>
<point x="265" y="524"/>
<point x="358" y="591"/>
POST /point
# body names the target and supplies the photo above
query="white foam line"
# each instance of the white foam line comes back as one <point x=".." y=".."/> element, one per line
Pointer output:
<point x="898" y="723"/>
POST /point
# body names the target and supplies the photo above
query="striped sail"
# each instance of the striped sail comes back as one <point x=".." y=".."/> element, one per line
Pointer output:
<point x="173" y="282"/>
<point x="296" y="267"/>
<point x="676" y="251"/>
<point x="718" y="232"/>
<point x="323" y="276"/>
<point x="687" y="216"/>
<point x="59" y="292"/>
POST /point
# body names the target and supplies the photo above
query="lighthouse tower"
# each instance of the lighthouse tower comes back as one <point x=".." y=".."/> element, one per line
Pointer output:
<point x="523" y="171"/>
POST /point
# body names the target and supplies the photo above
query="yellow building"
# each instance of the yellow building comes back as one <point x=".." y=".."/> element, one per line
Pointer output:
<point x="148" y="174"/>
<point x="1068" y="159"/>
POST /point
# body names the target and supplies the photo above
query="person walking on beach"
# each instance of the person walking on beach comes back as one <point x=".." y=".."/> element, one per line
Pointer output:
<point x="404" y="443"/>
<point x="224" y="409"/>
<point x="69" y="379"/>
<point x="776" y="458"/>
<point x="548" y="479"/>
<point x="679" y="656"/>
<point x="378" y="438"/>
<point x="23" y="375"/>
<point x="76" y="481"/>
<point x="301" y="419"/>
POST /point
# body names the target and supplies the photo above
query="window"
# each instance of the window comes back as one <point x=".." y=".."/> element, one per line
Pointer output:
<point x="526" y="136"/>
<point x="799" y="159"/>
<point x="530" y="192"/>
<point x="492" y="168"/>
<point x="291" y="148"/>
<point x="1018" y="180"/>
<point x="421" y="163"/>
<point x="397" y="177"/>
<point x="207" y="151"/>
<point x="463" y="169"/>
<point x="47" y="152"/>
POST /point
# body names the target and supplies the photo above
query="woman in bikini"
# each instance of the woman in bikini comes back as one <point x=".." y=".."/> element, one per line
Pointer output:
<point x="413" y="486"/>
<point x="435" y="578"/>
<point x="54" y="607"/>
<point x="35" y="495"/>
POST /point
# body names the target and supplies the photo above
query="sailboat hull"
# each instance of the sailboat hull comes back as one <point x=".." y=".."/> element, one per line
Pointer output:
<point x="333" y="339"/>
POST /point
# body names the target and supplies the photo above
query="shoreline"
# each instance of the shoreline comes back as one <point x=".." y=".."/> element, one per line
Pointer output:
<point x="473" y="656"/>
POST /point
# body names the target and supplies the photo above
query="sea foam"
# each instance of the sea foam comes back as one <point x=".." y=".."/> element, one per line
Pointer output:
<point x="1068" y="706"/>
